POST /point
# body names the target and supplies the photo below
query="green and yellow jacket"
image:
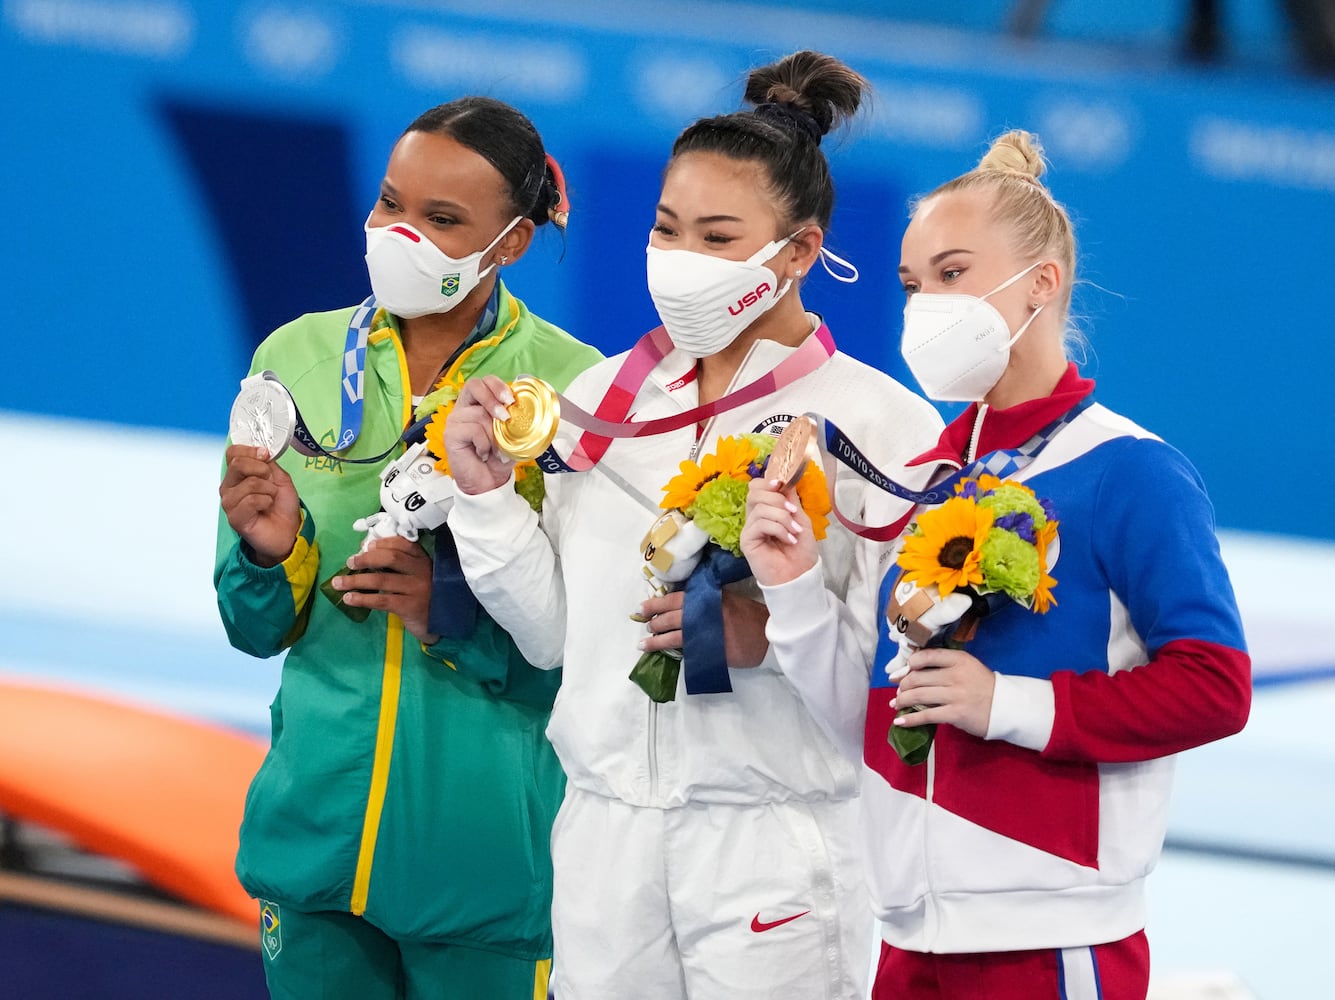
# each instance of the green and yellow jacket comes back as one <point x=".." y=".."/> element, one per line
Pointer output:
<point x="411" y="785"/>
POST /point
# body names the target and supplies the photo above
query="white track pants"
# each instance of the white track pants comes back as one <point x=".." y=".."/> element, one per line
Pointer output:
<point x="709" y="902"/>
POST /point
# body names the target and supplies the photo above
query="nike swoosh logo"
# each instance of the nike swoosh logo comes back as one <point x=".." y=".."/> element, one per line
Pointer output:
<point x="759" y="927"/>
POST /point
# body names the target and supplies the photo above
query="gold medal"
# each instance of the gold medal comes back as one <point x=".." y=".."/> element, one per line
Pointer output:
<point x="534" y="417"/>
<point x="794" y="449"/>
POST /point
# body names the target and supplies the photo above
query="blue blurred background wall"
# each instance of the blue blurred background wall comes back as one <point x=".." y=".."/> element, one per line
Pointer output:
<point x="182" y="177"/>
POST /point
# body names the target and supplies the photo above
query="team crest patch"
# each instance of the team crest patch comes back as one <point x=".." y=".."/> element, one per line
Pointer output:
<point x="773" y="425"/>
<point x="449" y="285"/>
<point x="271" y="929"/>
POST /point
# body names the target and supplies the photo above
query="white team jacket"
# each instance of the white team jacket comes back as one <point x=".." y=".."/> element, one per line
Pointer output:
<point x="564" y="589"/>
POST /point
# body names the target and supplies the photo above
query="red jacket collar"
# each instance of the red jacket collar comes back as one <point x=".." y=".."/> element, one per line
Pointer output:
<point x="1008" y="428"/>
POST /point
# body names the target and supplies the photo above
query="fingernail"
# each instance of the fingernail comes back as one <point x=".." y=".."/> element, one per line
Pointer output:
<point x="776" y="483"/>
<point x="500" y="413"/>
<point x="790" y="506"/>
<point x="792" y="539"/>
<point x="901" y="720"/>
<point x="641" y="644"/>
<point x="794" y="527"/>
<point x="507" y="397"/>
<point x="892" y="702"/>
<point x="336" y="583"/>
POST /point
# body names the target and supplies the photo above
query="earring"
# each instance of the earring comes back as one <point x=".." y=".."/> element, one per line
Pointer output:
<point x="1033" y="306"/>
<point x="505" y="260"/>
<point x="797" y="273"/>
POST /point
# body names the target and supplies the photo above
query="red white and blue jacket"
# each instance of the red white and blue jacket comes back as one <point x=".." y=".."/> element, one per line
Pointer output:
<point x="1041" y="835"/>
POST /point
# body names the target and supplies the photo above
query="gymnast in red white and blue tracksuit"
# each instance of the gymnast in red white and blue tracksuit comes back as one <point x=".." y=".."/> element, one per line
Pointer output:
<point x="1011" y="865"/>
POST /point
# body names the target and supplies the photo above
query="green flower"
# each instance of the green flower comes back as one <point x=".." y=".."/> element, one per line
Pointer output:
<point x="720" y="510"/>
<point x="1010" y="564"/>
<point x="530" y="484"/>
<point x="1008" y="499"/>
<point x="763" y="444"/>
<point x="444" y="395"/>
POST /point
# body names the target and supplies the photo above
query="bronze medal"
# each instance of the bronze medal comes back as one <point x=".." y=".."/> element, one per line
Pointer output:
<point x="794" y="449"/>
<point x="532" y="422"/>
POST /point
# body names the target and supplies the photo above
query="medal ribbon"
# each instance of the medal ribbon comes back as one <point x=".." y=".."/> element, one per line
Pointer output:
<point x="354" y="374"/>
<point x="1001" y="463"/>
<point x="609" y="422"/>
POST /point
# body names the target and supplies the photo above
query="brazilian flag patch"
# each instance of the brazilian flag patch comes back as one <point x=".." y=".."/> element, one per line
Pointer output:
<point x="449" y="285"/>
<point x="271" y="929"/>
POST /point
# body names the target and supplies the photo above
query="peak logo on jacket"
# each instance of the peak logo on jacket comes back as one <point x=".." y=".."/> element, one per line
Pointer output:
<point x="750" y="299"/>
<point x="326" y="463"/>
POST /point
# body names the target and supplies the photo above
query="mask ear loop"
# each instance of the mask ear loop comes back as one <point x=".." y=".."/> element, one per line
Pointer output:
<point x="482" y="273"/>
<point x="826" y="255"/>
<point x="1020" y="332"/>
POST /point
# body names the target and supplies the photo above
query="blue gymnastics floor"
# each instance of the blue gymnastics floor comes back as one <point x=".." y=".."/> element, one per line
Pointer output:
<point x="106" y="585"/>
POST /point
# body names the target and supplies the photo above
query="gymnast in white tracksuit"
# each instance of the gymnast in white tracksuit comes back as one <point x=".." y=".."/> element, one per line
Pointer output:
<point x="706" y="846"/>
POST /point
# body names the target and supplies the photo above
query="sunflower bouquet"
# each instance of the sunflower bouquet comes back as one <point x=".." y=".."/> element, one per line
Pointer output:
<point x="705" y="505"/>
<point x="993" y="542"/>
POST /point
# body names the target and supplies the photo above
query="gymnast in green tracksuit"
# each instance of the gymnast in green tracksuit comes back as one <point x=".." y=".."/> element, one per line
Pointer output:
<point x="396" y="834"/>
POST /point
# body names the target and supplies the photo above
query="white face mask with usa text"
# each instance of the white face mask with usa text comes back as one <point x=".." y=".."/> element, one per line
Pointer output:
<point x="705" y="302"/>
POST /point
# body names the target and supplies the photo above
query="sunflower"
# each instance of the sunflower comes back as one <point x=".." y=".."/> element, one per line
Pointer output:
<point x="731" y="459"/>
<point x="814" y="497"/>
<point x="1043" y="599"/>
<point x="435" y="438"/>
<point x="945" y="546"/>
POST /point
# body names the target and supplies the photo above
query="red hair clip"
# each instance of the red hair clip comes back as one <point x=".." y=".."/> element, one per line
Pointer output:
<point x="560" y="212"/>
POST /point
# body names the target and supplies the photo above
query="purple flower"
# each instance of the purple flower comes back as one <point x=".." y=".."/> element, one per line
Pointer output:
<point x="756" y="470"/>
<point x="969" y="489"/>
<point x="1019" y="523"/>
<point x="1049" y="511"/>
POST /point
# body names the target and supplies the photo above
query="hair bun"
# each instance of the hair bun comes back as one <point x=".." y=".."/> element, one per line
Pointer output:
<point x="1016" y="152"/>
<point x="805" y="90"/>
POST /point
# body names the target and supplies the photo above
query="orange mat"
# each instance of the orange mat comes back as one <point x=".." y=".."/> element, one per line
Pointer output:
<point x="160" y="792"/>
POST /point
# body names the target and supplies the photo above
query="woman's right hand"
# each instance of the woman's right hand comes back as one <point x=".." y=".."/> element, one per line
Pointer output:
<point x="777" y="539"/>
<point x="476" y="464"/>
<point x="260" y="503"/>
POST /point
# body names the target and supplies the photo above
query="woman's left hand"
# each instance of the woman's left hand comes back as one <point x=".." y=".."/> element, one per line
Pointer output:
<point x="664" y="621"/>
<point x="953" y="688"/>
<point x="744" y="642"/>
<point x="395" y="576"/>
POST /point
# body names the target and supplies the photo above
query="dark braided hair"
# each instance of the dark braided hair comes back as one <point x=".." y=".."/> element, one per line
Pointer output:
<point x="505" y="138"/>
<point x="797" y="101"/>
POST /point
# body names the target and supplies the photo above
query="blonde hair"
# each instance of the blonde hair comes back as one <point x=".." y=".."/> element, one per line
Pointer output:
<point x="1039" y="227"/>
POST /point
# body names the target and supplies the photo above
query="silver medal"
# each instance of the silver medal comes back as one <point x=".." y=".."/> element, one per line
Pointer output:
<point x="263" y="415"/>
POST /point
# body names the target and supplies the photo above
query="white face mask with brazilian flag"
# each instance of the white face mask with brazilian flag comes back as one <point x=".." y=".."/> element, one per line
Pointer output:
<point x="411" y="276"/>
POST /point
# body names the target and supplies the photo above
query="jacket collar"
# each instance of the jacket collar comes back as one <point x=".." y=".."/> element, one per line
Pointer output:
<point x="1008" y="428"/>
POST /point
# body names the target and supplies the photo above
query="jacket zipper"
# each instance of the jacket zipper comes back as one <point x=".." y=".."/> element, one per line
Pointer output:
<point x="653" y="751"/>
